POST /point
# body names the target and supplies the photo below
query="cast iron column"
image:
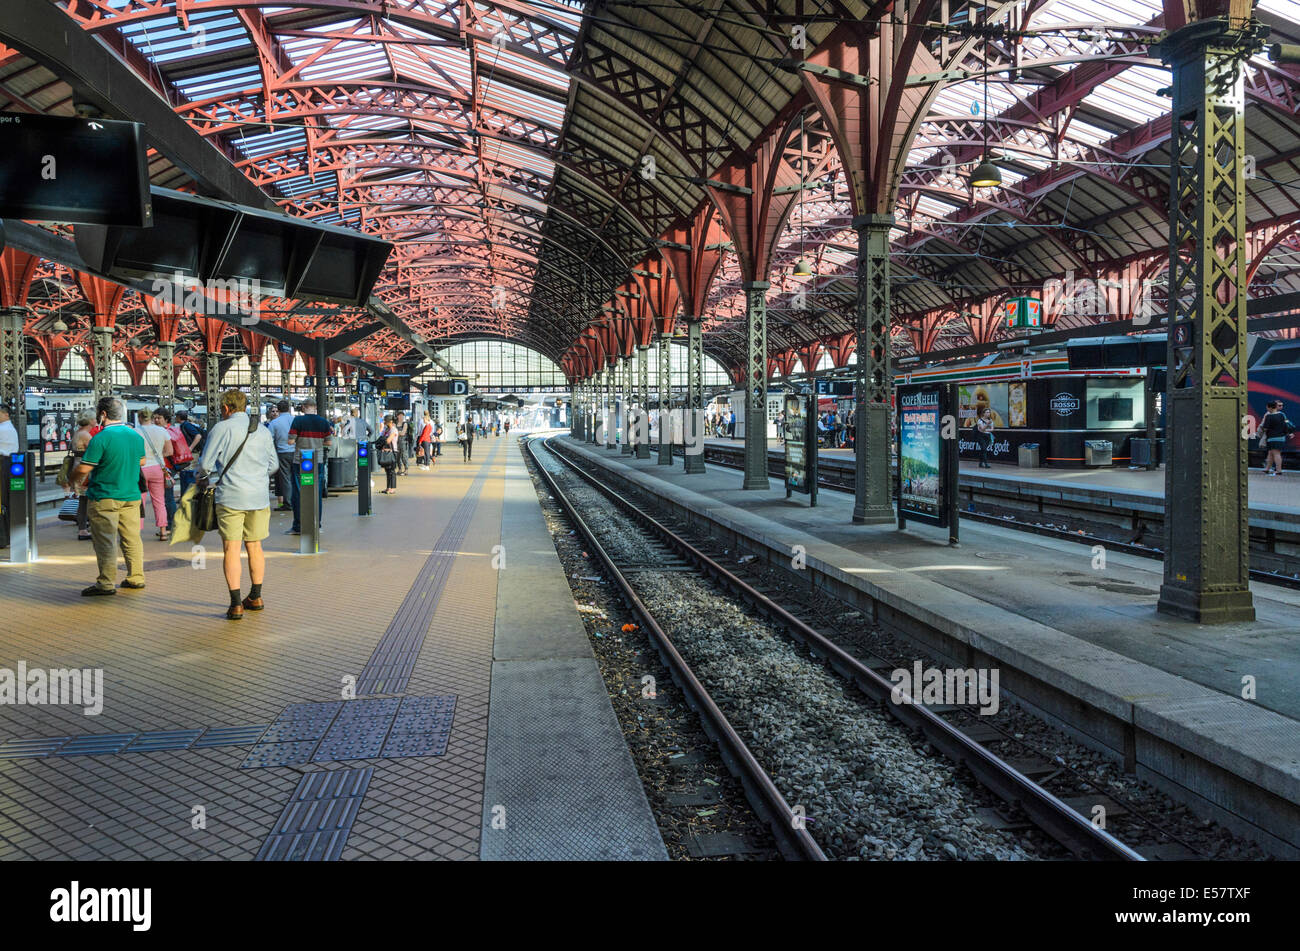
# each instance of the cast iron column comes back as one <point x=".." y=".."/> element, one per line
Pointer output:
<point x="103" y="358"/>
<point x="167" y="374"/>
<point x="665" y="400"/>
<point x="756" y="386"/>
<point x="643" y="401"/>
<point x="693" y="417"/>
<point x="255" y="386"/>
<point x="286" y="390"/>
<point x="609" y="419"/>
<point x="212" y="388"/>
<point x="13" y="370"/>
<point x="1207" y="531"/>
<point x="872" y="376"/>
<point x="322" y="393"/>
<point x="625" y="422"/>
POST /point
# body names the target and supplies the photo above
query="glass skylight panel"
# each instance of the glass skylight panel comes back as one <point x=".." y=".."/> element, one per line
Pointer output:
<point x="1132" y="94"/>
<point x="164" y="41"/>
<point x="220" y="83"/>
<point x="522" y="103"/>
<point x="1095" y="11"/>
<point x="492" y="56"/>
<point x="496" y="150"/>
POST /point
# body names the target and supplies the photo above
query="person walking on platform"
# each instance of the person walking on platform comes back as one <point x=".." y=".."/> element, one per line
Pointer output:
<point x="9" y="446"/>
<point x="388" y="449"/>
<point x="425" y="444"/>
<point x="279" y="428"/>
<point x="437" y="438"/>
<point x="985" y="427"/>
<point x="157" y="449"/>
<point x="162" y="418"/>
<point x="241" y="453"/>
<point x="194" y="437"/>
<point x="403" y="442"/>
<point x="1274" y="429"/>
<point x="110" y="471"/>
<point x="467" y="443"/>
<point x="80" y="440"/>
<point x="309" y="431"/>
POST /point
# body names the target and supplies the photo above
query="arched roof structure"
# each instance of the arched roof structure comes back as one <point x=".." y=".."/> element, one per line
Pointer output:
<point x="533" y="159"/>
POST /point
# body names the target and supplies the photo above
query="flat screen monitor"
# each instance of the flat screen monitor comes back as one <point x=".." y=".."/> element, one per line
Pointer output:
<point x="84" y="171"/>
<point x="343" y="268"/>
<point x="1114" y="409"/>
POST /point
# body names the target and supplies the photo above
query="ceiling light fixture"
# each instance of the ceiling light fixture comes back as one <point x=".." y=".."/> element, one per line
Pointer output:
<point x="986" y="174"/>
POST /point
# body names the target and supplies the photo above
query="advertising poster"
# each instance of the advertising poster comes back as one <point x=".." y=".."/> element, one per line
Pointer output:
<point x="920" y="450"/>
<point x="56" y="430"/>
<point x="796" y="444"/>
<point x="1017" y="404"/>
<point x="974" y="398"/>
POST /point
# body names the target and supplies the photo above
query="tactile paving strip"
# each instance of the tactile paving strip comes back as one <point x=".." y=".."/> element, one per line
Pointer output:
<point x="107" y="744"/>
<point x="374" y="728"/>
<point x="389" y="668"/>
<point x="315" y="824"/>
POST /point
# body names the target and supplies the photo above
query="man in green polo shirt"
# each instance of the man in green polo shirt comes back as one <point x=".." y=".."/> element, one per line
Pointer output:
<point x="110" y="468"/>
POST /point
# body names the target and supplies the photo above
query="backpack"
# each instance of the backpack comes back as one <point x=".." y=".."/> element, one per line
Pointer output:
<point x="181" y="453"/>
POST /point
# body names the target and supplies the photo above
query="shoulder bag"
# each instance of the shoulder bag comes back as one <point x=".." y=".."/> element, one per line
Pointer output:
<point x="203" y="506"/>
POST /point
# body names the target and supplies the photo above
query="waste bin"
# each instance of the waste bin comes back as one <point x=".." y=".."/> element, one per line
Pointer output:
<point x="1029" y="455"/>
<point x="1096" y="452"/>
<point x="1140" y="451"/>
<point x="342" y="472"/>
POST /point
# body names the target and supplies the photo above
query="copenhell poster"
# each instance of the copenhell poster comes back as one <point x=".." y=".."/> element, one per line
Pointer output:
<point x="920" y="448"/>
<point x="796" y="455"/>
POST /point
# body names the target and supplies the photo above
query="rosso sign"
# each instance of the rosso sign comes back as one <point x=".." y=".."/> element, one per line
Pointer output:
<point x="1064" y="404"/>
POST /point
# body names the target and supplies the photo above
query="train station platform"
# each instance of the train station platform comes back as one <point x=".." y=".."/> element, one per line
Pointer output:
<point x="1083" y="646"/>
<point x="480" y="727"/>
<point x="1266" y="492"/>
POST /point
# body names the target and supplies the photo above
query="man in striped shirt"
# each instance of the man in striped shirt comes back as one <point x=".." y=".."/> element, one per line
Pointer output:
<point x="309" y="431"/>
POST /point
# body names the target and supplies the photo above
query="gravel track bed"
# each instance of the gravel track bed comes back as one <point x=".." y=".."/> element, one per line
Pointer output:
<point x="858" y="775"/>
<point x="1084" y="772"/>
<point x="674" y="757"/>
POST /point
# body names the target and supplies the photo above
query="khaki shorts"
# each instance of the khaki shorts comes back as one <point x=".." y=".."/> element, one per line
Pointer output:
<point x="238" y="525"/>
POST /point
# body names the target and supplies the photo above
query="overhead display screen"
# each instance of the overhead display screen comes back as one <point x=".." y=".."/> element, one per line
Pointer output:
<point x="85" y="171"/>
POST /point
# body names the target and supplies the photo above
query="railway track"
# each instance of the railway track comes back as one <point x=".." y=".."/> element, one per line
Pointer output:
<point x="1051" y="815"/>
<point x="840" y="480"/>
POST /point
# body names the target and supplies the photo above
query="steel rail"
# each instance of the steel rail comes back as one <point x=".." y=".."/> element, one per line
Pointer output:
<point x="1072" y="830"/>
<point x="792" y="838"/>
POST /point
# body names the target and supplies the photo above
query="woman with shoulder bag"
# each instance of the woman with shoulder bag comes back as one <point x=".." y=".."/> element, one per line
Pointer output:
<point x="157" y="448"/>
<point x="388" y="449"/>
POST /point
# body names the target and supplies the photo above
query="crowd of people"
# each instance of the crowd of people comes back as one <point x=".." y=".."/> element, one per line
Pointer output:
<point x="120" y="469"/>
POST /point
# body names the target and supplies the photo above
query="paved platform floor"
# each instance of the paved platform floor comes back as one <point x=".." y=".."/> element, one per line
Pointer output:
<point x="403" y="605"/>
<point x="1278" y="491"/>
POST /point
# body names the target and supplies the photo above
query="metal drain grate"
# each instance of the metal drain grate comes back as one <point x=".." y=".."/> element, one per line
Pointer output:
<point x="315" y="824"/>
<point x="374" y="728"/>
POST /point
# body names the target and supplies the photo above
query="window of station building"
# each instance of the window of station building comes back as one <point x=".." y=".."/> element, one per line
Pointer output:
<point x="498" y="365"/>
<point x="75" y="368"/>
<point x="121" y="373"/>
<point x="238" y="373"/>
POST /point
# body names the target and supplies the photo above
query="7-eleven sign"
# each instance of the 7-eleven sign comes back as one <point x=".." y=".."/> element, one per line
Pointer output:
<point x="1023" y="312"/>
